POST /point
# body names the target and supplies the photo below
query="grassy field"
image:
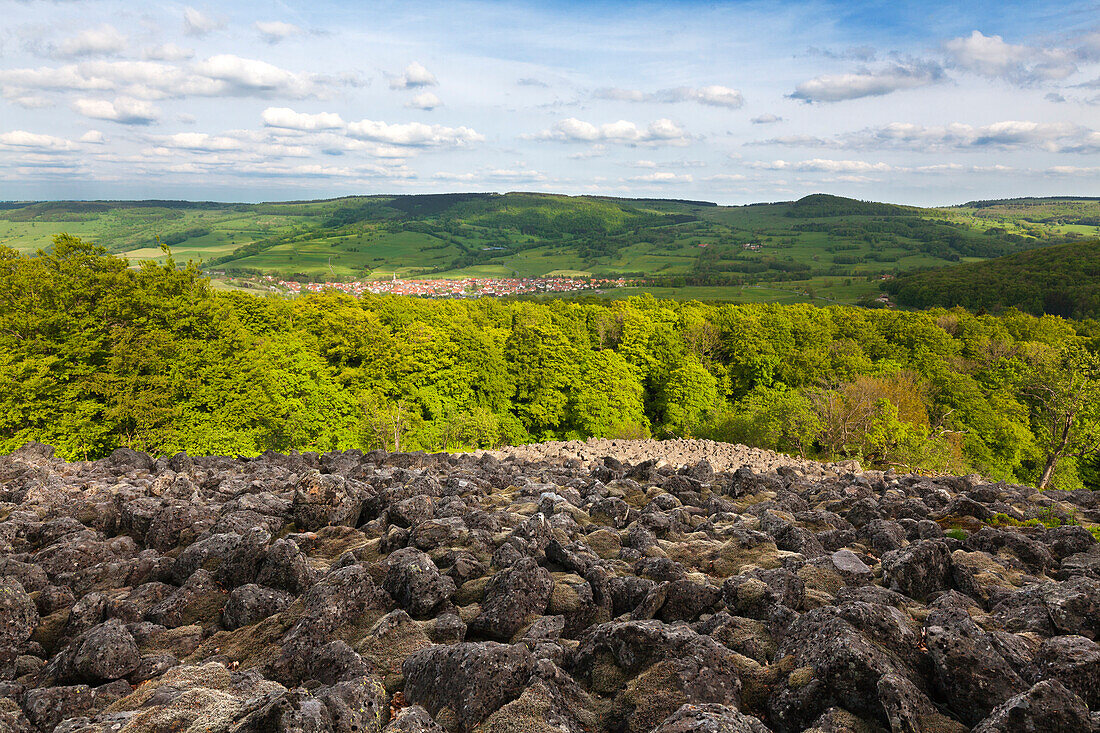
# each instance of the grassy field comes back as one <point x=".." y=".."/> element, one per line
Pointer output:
<point x="817" y="247"/>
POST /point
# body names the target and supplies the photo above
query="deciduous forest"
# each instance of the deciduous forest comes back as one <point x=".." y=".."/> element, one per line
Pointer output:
<point x="95" y="355"/>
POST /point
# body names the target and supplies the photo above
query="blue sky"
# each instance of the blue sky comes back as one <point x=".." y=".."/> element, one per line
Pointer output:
<point x="733" y="102"/>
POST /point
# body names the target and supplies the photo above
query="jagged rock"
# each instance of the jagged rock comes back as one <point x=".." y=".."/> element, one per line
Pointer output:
<point x="467" y="682"/>
<point x="710" y="718"/>
<point x="252" y="603"/>
<point x="1047" y="706"/>
<point x="1075" y="662"/>
<point x="416" y="583"/>
<point x="919" y="569"/>
<point x="969" y="671"/>
<point x="512" y="598"/>
<point x="647" y="586"/>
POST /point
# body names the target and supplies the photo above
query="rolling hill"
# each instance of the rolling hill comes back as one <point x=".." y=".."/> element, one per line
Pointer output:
<point x="821" y="245"/>
<point x="1062" y="280"/>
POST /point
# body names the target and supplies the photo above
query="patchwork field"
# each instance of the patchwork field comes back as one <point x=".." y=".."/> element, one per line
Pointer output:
<point x="820" y="247"/>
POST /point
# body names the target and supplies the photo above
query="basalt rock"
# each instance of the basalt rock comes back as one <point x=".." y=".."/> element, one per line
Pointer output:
<point x="600" y="587"/>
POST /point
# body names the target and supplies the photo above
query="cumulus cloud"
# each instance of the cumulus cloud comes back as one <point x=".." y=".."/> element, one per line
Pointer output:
<point x="123" y="110"/>
<point x="414" y="134"/>
<point x="663" y="131"/>
<point x="766" y="119"/>
<point x="287" y="118"/>
<point x="94" y="137"/>
<point x="34" y="142"/>
<point x="714" y="96"/>
<point x="252" y="77"/>
<point x="1061" y="137"/>
<point x="414" y="76"/>
<point x="991" y="56"/>
<point x="426" y="101"/>
<point x="168" y="52"/>
<point x="274" y="31"/>
<point x="216" y="76"/>
<point x="867" y="83"/>
<point x="104" y="40"/>
<point x="200" y="24"/>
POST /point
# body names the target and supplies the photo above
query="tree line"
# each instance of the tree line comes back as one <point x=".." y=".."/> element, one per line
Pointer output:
<point x="95" y="355"/>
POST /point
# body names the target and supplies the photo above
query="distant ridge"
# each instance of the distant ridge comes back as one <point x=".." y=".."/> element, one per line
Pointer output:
<point x="1061" y="280"/>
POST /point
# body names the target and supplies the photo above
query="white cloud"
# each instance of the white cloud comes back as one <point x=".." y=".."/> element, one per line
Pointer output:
<point x="766" y="119"/>
<point x="662" y="177"/>
<point x="287" y="118"/>
<point x="414" y="76"/>
<point x="123" y="110"/>
<point x="724" y="177"/>
<point x="992" y="57"/>
<point x="821" y="165"/>
<point x="1052" y="137"/>
<point x="196" y="23"/>
<point x="104" y="40"/>
<point x="425" y="101"/>
<point x="168" y="52"/>
<point x="275" y="31"/>
<point x="94" y="137"/>
<point x="34" y="142"/>
<point x="840" y="87"/>
<point x="1073" y="171"/>
<point x="25" y="100"/>
<point x="714" y="95"/>
<point x="200" y="141"/>
<point x="414" y="134"/>
<point x="250" y="77"/>
<point x="663" y="131"/>
<point x="222" y="75"/>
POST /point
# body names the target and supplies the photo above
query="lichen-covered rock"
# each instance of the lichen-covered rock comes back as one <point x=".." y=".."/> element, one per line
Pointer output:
<point x="918" y="570"/>
<point x="415" y="583"/>
<point x="642" y="587"/>
<point x="1047" y="706"/>
<point x="251" y="604"/>
<point x="710" y="718"/>
<point x="467" y="682"/>
<point x="512" y="598"/>
<point x="18" y="614"/>
<point x="969" y="671"/>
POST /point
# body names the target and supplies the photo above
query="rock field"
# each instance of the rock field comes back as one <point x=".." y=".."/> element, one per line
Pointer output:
<point x="620" y="586"/>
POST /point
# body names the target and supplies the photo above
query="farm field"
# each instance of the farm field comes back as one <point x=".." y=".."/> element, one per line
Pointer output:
<point x="819" y="247"/>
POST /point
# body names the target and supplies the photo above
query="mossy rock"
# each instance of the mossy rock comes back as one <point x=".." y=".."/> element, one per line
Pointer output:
<point x="50" y="629"/>
<point x="800" y="677"/>
<point x="472" y="591"/>
<point x="390" y="642"/>
<point x="606" y="677"/>
<point x="532" y="712"/>
<point x="604" y="543"/>
<point x="821" y="579"/>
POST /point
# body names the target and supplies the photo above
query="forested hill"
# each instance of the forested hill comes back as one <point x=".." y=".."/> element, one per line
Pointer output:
<point x="1061" y="280"/>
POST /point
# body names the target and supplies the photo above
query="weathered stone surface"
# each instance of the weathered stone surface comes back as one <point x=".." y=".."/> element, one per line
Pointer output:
<point x="468" y="681"/>
<point x="642" y="587"/>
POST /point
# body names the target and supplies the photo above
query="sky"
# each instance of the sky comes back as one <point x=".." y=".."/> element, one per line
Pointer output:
<point x="928" y="103"/>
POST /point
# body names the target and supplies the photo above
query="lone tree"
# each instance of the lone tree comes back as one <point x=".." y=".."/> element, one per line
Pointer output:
<point x="1064" y="394"/>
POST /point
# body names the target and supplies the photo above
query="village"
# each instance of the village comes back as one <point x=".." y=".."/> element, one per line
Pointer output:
<point x="449" y="288"/>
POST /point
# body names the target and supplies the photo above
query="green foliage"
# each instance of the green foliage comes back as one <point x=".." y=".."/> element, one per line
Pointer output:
<point x="1062" y="280"/>
<point x="956" y="533"/>
<point x="95" y="354"/>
